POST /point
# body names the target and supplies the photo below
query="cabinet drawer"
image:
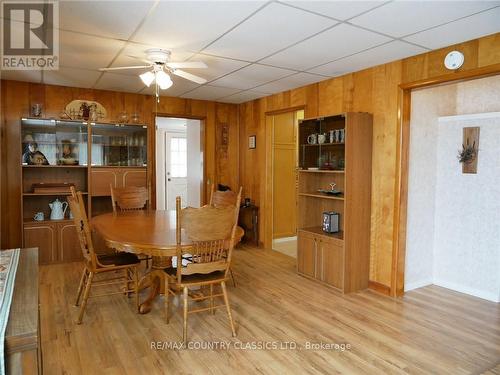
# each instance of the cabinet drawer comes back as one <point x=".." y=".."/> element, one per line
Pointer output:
<point x="69" y="243"/>
<point x="332" y="263"/>
<point x="101" y="179"/>
<point x="44" y="237"/>
<point x="133" y="177"/>
<point x="306" y="254"/>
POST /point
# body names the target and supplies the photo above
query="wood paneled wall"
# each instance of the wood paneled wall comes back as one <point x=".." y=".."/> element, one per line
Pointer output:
<point x="17" y="97"/>
<point x="373" y="90"/>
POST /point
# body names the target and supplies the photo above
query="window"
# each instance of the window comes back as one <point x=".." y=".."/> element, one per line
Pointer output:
<point x="178" y="157"/>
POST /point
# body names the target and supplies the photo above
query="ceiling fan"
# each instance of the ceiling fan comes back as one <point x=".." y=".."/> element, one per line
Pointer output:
<point x="160" y="68"/>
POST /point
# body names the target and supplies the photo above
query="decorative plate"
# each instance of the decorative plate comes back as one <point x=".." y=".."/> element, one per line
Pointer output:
<point x="75" y="110"/>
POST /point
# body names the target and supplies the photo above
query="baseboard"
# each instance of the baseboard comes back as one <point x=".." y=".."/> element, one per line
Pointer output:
<point x="285" y="239"/>
<point x="378" y="287"/>
<point x="471" y="291"/>
<point x="418" y="284"/>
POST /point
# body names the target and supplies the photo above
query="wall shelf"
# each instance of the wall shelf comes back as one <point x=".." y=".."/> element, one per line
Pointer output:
<point x="341" y="171"/>
<point x="323" y="196"/>
<point x="338" y="259"/>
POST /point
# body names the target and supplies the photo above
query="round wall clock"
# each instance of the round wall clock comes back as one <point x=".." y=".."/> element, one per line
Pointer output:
<point x="454" y="60"/>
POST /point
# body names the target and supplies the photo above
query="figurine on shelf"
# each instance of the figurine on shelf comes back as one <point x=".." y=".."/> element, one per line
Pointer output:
<point x="85" y="111"/>
<point x="68" y="153"/>
<point x="34" y="157"/>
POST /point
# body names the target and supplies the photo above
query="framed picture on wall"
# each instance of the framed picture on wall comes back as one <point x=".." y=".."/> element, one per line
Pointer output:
<point x="252" y="142"/>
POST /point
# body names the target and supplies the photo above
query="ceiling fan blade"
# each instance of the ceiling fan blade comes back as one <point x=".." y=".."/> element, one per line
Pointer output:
<point x="189" y="76"/>
<point x="187" y="65"/>
<point x="125" y="67"/>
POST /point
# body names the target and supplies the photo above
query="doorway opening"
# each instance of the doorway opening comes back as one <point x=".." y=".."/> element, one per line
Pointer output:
<point x="453" y="212"/>
<point x="179" y="162"/>
<point x="284" y="156"/>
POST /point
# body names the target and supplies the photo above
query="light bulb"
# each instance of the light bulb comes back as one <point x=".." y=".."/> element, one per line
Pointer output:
<point x="163" y="80"/>
<point x="147" y="78"/>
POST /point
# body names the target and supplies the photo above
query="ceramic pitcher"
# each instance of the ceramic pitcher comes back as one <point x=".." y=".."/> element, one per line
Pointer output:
<point x="57" y="209"/>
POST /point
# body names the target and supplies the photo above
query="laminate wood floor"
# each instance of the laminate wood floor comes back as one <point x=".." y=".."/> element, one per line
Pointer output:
<point x="431" y="330"/>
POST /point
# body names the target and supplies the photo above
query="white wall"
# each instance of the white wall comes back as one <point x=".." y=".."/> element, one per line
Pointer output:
<point x="467" y="210"/>
<point x="428" y="258"/>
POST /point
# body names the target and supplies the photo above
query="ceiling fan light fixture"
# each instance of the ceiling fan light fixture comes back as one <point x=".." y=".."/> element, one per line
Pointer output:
<point x="147" y="78"/>
<point x="163" y="80"/>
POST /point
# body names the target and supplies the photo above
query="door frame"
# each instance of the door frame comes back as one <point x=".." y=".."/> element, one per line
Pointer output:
<point x="268" y="187"/>
<point x="402" y="164"/>
<point x="203" y="148"/>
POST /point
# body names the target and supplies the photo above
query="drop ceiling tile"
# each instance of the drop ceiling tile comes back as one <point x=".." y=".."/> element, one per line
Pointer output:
<point x="133" y="53"/>
<point x="120" y="82"/>
<point x="340" y="41"/>
<point x="217" y="66"/>
<point x="179" y="87"/>
<point x="401" y="18"/>
<point x="210" y="92"/>
<point x="273" y="28"/>
<point x="243" y="96"/>
<point x="340" y="10"/>
<point x="112" y="19"/>
<point x="472" y="27"/>
<point x="71" y="77"/>
<point x="191" y="25"/>
<point x="87" y="52"/>
<point x="290" y="82"/>
<point x="22" y="75"/>
<point x="379" y="55"/>
<point x="251" y="76"/>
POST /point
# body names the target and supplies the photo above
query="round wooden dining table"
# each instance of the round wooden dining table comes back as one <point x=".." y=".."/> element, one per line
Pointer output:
<point x="146" y="232"/>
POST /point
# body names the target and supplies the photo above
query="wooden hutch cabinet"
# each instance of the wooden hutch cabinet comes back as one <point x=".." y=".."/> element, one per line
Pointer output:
<point x="335" y="150"/>
<point x="57" y="152"/>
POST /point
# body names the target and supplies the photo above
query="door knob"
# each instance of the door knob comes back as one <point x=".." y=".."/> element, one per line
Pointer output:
<point x="168" y="179"/>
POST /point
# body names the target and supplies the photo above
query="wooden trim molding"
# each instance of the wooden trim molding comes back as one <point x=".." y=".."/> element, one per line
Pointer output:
<point x="457" y="76"/>
<point x="402" y="165"/>
<point x="380" y="288"/>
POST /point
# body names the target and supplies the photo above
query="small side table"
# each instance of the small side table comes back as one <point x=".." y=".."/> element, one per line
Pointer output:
<point x="249" y="221"/>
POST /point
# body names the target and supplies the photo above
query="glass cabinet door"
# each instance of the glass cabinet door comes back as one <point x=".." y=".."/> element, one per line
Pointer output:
<point x="53" y="142"/>
<point x="321" y="143"/>
<point x="119" y="145"/>
<point x="308" y="143"/>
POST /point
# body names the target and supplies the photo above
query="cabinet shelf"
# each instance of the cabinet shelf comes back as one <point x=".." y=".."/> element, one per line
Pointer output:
<point x="55" y="166"/>
<point x="318" y="230"/>
<point x="41" y="222"/>
<point x="323" y="196"/>
<point x="49" y="194"/>
<point x="339" y="171"/>
<point x="322" y="144"/>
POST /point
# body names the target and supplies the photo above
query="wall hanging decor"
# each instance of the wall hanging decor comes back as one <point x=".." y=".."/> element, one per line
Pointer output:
<point x="468" y="155"/>
<point x="85" y="110"/>
<point x="252" y="143"/>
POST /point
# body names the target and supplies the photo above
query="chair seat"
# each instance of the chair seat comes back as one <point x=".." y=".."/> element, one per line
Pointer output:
<point x="118" y="259"/>
<point x="198" y="278"/>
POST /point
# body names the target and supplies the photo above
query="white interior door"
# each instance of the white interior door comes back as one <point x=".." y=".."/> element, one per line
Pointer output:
<point x="176" y="169"/>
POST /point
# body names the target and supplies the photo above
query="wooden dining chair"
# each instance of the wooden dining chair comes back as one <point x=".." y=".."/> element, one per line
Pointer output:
<point x="225" y="198"/>
<point x="131" y="198"/>
<point x="212" y="232"/>
<point x="97" y="264"/>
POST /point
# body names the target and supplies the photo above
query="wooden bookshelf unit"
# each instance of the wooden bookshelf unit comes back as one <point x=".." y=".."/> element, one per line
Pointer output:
<point x="340" y="259"/>
<point x="89" y="155"/>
